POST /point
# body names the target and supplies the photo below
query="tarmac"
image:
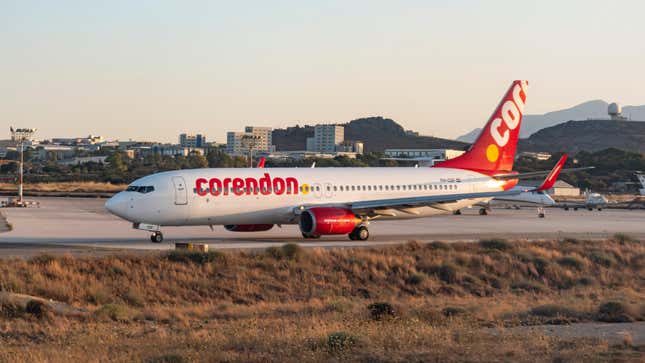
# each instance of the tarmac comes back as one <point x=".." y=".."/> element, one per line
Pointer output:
<point x="75" y="224"/>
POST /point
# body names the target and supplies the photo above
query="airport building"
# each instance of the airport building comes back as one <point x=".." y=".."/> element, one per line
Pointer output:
<point x="434" y="154"/>
<point x="192" y="141"/>
<point x="257" y="139"/>
<point x="327" y="139"/>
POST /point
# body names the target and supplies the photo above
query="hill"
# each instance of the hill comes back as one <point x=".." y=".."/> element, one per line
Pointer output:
<point x="596" y="109"/>
<point x="377" y="133"/>
<point x="590" y="135"/>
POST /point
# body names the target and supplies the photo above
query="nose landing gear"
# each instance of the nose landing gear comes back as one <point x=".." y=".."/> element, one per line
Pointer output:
<point x="157" y="237"/>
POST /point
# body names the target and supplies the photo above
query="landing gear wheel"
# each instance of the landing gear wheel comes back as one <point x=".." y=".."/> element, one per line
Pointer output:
<point x="457" y="212"/>
<point x="576" y="208"/>
<point x="599" y="209"/>
<point x="483" y="212"/>
<point x="540" y="215"/>
<point x="566" y="208"/>
<point x="310" y="236"/>
<point x="156" y="237"/>
<point x="359" y="233"/>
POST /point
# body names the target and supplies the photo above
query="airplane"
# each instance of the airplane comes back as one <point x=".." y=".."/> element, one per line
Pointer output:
<point x="641" y="179"/>
<point x="539" y="199"/>
<point x="333" y="201"/>
<point x="592" y="201"/>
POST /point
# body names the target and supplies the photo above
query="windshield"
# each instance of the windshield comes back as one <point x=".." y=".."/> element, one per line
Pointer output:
<point x="140" y="189"/>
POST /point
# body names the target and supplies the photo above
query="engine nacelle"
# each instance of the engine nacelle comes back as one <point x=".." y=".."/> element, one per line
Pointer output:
<point x="322" y="221"/>
<point x="248" y="227"/>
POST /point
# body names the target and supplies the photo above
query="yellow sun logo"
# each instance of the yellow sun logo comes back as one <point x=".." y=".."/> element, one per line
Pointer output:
<point x="492" y="153"/>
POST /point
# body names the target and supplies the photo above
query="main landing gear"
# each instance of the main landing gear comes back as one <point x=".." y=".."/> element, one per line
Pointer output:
<point x="310" y="236"/>
<point x="541" y="212"/>
<point x="483" y="212"/>
<point x="359" y="233"/>
<point x="157" y="237"/>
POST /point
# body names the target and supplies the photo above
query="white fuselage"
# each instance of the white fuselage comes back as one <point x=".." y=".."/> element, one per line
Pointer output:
<point x="236" y="196"/>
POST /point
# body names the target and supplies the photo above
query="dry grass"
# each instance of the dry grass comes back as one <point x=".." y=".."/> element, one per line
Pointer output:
<point x="86" y="187"/>
<point x="288" y="304"/>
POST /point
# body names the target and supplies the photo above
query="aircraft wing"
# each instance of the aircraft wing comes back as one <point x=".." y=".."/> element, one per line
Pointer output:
<point x="533" y="174"/>
<point x="367" y="205"/>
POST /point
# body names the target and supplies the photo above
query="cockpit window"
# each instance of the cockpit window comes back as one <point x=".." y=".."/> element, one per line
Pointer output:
<point x="141" y="189"/>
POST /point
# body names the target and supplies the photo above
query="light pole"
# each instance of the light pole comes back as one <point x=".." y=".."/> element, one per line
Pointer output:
<point x="19" y="136"/>
<point x="249" y="142"/>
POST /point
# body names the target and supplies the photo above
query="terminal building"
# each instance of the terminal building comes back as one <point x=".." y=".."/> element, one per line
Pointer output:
<point x="258" y="139"/>
<point x="192" y="141"/>
<point x="327" y="139"/>
<point x="434" y="154"/>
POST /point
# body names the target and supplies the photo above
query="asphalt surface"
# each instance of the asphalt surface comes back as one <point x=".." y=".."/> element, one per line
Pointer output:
<point x="83" y="222"/>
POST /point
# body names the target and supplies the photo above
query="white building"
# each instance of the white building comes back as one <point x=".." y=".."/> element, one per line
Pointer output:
<point x="327" y="138"/>
<point x="434" y="154"/>
<point x="258" y="139"/>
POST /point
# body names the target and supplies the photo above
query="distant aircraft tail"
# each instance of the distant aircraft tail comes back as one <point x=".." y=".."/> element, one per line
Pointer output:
<point x="494" y="149"/>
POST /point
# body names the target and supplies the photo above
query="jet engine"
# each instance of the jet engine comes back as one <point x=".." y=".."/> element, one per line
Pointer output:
<point x="319" y="221"/>
<point x="248" y="227"/>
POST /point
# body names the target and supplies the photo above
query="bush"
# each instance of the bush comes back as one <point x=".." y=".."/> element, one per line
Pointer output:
<point x="416" y="279"/>
<point x="437" y="245"/>
<point x="623" y="238"/>
<point x="292" y="251"/>
<point x="116" y="312"/>
<point x="380" y="310"/>
<point x="341" y="341"/>
<point x="196" y="257"/>
<point x="529" y="286"/>
<point x="602" y="258"/>
<point x="615" y="312"/>
<point x="552" y="311"/>
<point x="451" y="311"/>
<point x="11" y="311"/>
<point x="572" y="262"/>
<point x="496" y="244"/>
<point x="134" y="298"/>
<point x="448" y="273"/>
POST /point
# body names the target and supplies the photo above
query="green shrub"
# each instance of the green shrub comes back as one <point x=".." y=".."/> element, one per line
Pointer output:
<point x="571" y="262"/>
<point x="602" y="258"/>
<point x="11" y="311"/>
<point x="623" y="238"/>
<point x="496" y="244"/>
<point x="437" y="245"/>
<point x="341" y="341"/>
<point x="615" y="312"/>
<point x="529" y="286"/>
<point x="196" y="257"/>
<point x="451" y="311"/>
<point x="416" y="279"/>
<point x="552" y="311"/>
<point x="292" y="251"/>
<point x="134" y="298"/>
<point x="381" y="310"/>
<point x="448" y="273"/>
<point x="116" y="312"/>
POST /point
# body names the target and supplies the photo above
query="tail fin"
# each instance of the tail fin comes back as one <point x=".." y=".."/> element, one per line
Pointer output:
<point x="494" y="149"/>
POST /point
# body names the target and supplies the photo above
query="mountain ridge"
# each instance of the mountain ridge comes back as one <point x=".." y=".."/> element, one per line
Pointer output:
<point x="594" y="109"/>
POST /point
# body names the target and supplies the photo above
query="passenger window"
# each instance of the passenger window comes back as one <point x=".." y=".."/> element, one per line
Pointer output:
<point x="334" y="188"/>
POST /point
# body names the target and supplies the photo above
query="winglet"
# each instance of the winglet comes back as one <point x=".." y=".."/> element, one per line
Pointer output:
<point x="553" y="175"/>
<point x="261" y="162"/>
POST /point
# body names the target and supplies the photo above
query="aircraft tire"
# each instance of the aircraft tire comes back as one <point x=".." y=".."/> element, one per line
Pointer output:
<point x="156" y="237"/>
<point x="483" y="212"/>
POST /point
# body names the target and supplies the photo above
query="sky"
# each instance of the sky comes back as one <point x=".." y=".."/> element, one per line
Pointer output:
<point x="149" y="70"/>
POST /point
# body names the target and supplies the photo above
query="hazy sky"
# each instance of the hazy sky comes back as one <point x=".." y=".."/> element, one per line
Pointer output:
<point x="152" y="69"/>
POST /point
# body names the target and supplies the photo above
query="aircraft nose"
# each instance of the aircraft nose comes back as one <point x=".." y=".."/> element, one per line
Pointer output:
<point x="117" y="205"/>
